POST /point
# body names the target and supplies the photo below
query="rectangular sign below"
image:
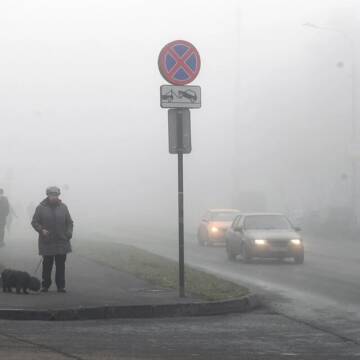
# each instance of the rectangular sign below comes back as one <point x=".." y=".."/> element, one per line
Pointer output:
<point x="179" y="131"/>
<point x="172" y="96"/>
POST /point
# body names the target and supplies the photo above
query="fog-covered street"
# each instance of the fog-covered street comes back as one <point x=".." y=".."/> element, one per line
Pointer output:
<point x="179" y="180"/>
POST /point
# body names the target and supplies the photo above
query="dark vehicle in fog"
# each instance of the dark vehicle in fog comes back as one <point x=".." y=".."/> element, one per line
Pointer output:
<point x="264" y="235"/>
<point x="214" y="225"/>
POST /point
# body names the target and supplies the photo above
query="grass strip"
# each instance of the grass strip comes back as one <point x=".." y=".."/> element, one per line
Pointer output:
<point x="159" y="270"/>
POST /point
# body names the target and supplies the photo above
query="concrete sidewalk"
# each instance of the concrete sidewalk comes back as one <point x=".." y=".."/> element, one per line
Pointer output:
<point x="89" y="283"/>
<point x="98" y="291"/>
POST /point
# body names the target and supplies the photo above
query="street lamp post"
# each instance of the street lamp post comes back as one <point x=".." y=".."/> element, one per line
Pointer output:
<point x="354" y="113"/>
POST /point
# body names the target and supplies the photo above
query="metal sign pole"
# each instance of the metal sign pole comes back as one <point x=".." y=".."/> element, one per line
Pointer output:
<point x="181" y="225"/>
<point x="180" y="146"/>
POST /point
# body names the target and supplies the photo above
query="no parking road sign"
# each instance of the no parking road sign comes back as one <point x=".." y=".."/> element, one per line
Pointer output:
<point x="179" y="62"/>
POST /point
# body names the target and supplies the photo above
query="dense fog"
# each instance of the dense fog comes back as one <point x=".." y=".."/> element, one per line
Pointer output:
<point x="79" y="108"/>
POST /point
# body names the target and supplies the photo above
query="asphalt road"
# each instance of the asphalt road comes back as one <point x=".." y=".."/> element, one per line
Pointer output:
<point x="253" y="336"/>
<point x="311" y="312"/>
<point x="324" y="292"/>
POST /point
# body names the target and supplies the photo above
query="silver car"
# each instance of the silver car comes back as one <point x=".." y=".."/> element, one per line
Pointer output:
<point x="264" y="235"/>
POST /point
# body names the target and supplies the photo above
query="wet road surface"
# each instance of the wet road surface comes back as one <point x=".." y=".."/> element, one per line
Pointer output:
<point x="323" y="292"/>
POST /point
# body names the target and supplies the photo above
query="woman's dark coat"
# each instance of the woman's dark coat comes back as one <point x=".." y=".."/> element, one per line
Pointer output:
<point x="56" y="219"/>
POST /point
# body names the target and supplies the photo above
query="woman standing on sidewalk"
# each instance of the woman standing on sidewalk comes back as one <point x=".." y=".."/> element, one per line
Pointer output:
<point x="53" y="222"/>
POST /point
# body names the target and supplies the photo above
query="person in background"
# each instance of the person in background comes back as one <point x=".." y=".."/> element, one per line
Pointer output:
<point x="11" y="217"/>
<point x="53" y="222"/>
<point x="4" y="212"/>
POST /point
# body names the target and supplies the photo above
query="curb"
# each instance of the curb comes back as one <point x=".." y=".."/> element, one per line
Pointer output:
<point x="244" y="304"/>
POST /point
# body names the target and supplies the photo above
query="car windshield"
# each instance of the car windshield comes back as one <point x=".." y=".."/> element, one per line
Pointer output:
<point x="224" y="216"/>
<point x="267" y="222"/>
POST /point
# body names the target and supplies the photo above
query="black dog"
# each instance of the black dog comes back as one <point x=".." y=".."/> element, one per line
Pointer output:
<point x="19" y="280"/>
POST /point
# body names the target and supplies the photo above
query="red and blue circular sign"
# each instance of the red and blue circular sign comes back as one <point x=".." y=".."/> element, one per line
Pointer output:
<point x="179" y="62"/>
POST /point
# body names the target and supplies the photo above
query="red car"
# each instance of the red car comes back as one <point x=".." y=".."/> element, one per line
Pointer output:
<point x="214" y="225"/>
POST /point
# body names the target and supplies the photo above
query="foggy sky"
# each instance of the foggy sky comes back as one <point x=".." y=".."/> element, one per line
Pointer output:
<point x="79" y="105"/>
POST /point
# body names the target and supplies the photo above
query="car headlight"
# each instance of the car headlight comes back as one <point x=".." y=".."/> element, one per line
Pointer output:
<point x="214" y="229"/>
<point x="260" y="242"/>
<point x="296" y="241"/>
